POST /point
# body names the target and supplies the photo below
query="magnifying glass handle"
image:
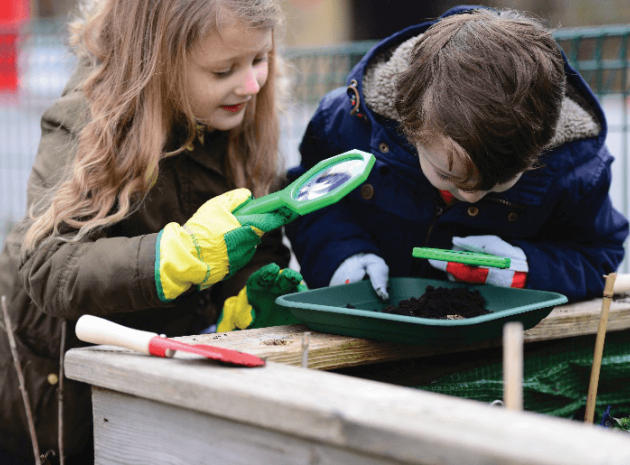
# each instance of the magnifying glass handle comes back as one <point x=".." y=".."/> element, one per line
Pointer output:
<point x="265" y="204"/>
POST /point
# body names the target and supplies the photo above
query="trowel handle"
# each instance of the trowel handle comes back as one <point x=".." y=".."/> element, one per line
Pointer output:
<point x="100" y="331"/>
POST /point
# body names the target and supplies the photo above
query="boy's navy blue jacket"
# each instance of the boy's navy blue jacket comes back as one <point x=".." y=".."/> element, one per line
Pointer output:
<point x="560" y="215"/>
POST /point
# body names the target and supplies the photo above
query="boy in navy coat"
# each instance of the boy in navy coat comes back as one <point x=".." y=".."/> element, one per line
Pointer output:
<point x="486" y="140"/>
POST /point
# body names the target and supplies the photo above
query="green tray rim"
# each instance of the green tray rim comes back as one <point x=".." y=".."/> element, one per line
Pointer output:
<point x="554" y="300"/>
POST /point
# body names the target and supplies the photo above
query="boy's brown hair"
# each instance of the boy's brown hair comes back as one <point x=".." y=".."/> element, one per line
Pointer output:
<point x="488" y="86"/>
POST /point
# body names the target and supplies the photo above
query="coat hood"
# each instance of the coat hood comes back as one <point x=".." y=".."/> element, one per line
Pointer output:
<point x="581" y="115"/>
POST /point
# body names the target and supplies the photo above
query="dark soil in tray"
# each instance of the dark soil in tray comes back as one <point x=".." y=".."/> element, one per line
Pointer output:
<point x="442" y="303"/>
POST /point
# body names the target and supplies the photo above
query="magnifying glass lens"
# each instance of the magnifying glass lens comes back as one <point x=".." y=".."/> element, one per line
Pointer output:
<point x="330" y="179"/>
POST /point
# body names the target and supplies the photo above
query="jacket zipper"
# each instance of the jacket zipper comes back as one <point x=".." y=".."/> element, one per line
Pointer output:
<point x="418" y="267"/>
<point x="439" y="211"/>
<point x="506" y="203"/>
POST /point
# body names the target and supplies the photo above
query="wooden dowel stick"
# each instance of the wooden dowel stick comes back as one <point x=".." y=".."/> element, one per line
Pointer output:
<point x="513" y="365"/>
<point x="305" y="343"/>
<point x="599" y="348"/>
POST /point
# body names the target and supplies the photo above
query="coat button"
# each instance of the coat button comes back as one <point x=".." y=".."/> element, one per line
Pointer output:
<point x="513" y="216"/>
<point x="473" y="211"/>
<point x="367" y="191"/>
<point x="52" y="378"/>
<point x="383" y="147"/>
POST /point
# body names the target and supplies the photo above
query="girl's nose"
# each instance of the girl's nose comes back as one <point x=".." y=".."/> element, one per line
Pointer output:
<point x="473" y="196"/>
<point x="249" y="85"/>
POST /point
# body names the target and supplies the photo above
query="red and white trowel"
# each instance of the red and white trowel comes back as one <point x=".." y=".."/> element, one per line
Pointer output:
<point x="100" y="331"/>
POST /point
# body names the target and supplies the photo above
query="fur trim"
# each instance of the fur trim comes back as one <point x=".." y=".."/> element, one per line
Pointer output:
<point x="379" y="81"/>
<point x="577" y="121"/>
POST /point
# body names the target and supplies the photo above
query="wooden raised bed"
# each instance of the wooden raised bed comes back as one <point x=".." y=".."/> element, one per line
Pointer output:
<point x="151" y="410"/>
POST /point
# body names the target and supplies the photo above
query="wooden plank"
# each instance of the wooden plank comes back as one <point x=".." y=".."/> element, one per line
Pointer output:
<point x="283" y="344"/>
<point x="368" y="417"/>
<point x="131" y="430"/>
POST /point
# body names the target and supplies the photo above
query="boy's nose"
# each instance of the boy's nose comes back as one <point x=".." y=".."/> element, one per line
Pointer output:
<point x="472" y="197"/>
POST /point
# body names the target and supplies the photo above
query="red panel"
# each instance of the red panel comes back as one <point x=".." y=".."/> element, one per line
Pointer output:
<point x="12" y="12"/>
<point x="8" y="63"/>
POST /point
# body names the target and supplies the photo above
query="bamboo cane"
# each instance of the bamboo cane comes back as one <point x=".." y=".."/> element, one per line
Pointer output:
<point x="62" y="351"/>
<point x="20" y="373"/>
<point x="599" y="348"/>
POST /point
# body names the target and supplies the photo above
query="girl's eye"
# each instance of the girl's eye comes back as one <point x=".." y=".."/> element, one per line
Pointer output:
<point x="222" y="74"/>
<point x="442" y="176"/>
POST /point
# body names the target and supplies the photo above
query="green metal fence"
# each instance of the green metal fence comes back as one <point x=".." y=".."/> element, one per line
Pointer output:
<point x="600" y="54"/>
<point x="602" y="57"/>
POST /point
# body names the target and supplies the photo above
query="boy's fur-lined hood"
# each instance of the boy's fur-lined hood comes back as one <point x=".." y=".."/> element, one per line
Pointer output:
<point x="577" y="119"/>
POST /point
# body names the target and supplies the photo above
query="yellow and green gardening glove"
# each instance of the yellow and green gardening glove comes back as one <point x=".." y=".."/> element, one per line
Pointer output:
<point x="255" y="306"/>
<point x="212" y="245"/>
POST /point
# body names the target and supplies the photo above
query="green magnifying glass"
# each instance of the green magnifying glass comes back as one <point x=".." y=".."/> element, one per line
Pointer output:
<point x="469" y="258"/>
<point x="324" y="184"/>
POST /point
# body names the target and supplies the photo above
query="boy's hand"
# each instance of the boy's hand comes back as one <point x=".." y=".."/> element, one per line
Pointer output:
<point x="514" y="276"/>
<point x="255" y="307"/>
<point x="355" y="268"/>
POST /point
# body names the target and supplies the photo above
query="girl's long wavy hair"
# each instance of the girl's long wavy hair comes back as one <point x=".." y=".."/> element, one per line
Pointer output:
<point x="138" y="95"/>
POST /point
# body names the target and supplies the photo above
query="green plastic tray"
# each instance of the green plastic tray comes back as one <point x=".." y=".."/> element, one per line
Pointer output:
<point x="325" y="310"/>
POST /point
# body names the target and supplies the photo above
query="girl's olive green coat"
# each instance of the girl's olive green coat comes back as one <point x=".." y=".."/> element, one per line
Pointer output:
<point x="110" y="274"/>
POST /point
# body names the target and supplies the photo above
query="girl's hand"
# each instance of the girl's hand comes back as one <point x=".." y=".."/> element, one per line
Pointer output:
<point x="211" y="246"/>
<point x="255" y="307"/>
<point x="355" y="268"/>
<point x="514" y="276"/>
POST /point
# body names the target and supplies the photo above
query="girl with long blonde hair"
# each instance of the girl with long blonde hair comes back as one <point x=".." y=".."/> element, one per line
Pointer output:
<point x="138" y="98"/>
<point x="167" y="126"/>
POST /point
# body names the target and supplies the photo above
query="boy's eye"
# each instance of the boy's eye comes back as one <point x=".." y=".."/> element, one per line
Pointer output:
<point x="444" y="177"/>
<point x="260" y="59"/>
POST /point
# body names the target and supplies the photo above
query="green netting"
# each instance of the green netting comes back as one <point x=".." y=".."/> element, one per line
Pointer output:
<point x="555" y="378"/>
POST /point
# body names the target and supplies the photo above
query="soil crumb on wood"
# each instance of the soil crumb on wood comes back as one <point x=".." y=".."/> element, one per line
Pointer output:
<point x="443" y="304"/>
<point x="275" y="342"/>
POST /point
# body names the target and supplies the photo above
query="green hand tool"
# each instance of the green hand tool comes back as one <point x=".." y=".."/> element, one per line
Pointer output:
<point x="469" y="258"/>
<point x="324" y="184"/>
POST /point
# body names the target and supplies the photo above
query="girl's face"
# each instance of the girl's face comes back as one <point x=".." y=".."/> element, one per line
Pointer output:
<point x="434" y="164"/>
<point x="224" y="73"/>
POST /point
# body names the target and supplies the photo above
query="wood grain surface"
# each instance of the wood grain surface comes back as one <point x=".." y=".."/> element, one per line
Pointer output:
<point x="283" y="344"/>
<point x="161" y="408"/>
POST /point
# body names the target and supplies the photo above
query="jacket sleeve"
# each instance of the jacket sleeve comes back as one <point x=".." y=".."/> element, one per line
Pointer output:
<point x="323" y="239"/>
<point x="117" y="274"/>
<point x="105" y="276"/>
<point x="584" y="239"/>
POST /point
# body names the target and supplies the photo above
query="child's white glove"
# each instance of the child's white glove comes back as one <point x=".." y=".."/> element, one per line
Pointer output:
<point x="354" y="269"/>
<point x="514" y="276"/>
